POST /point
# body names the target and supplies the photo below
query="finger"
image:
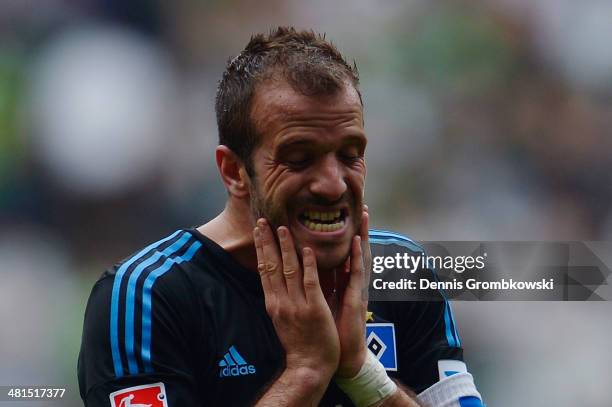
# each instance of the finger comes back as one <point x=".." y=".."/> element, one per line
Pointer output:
<point x="356" y="279"/>
<point x="291" y="265"/>
<point x="364" y="233"/>
<point x="367" y="251"/>
<point x="346" y="267"/>
<point x="312" y="288"/>
<point x="272" y="260"/>
<point x="261" y="265"/>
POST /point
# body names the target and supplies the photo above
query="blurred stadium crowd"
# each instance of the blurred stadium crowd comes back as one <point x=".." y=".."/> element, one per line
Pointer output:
<point x="487" y="120"/>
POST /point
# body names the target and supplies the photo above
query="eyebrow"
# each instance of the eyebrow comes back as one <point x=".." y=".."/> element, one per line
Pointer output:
<point x="298" y="141"/>
<point x="295" y="142"/>
<point x="356" y="138"/>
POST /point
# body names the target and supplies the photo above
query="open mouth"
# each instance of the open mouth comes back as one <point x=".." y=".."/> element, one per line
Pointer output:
<point x="323" y="221"/>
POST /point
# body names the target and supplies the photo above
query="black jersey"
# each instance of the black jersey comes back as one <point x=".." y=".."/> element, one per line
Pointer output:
<point x="182" y="323"/>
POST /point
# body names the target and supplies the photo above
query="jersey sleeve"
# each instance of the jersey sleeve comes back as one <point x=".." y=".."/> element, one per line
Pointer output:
<point x="428" y="347"/>
<point x="141" y="343"/>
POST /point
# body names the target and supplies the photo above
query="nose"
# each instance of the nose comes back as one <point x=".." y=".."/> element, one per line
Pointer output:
<point x="328" y="181"/>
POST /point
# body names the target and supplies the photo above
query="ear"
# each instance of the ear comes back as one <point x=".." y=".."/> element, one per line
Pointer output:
<point x="233" y="173"/>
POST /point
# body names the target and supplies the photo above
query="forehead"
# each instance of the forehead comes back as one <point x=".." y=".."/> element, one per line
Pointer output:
<point x="277" y="109"/>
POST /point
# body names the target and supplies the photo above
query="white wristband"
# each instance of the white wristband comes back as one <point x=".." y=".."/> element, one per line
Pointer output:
<point x="370" y="385"/>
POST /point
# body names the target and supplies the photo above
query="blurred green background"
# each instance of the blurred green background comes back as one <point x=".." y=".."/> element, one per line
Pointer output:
<point x="487" y="120"/>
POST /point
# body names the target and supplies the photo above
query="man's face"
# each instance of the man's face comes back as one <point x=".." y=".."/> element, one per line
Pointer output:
<point x="310" y="168"/>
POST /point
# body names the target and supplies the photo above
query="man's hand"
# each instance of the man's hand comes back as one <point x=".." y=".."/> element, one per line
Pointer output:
<point x="351" y="317"/>
<point x="297" y="307"/>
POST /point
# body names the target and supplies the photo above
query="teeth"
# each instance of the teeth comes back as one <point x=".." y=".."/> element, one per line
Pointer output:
<point x="325" y="216"/>
<point x="324" y="227"/>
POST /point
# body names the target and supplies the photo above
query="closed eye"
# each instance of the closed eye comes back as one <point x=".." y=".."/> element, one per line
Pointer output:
<point x="351" y="154"/>
<point x="298" y="164"/>
<point x="296" y="158"/>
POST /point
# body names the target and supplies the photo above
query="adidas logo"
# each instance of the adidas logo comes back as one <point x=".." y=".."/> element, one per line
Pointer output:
<point x="233" y="364"/>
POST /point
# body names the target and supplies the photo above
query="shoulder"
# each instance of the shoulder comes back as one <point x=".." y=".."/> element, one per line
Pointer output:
<point x="153" y="273"/>
<point x="154" y="268"/>
<point x="141" y="272"/>
<point x="125" y="302"/>
<point x="159" y="257"/>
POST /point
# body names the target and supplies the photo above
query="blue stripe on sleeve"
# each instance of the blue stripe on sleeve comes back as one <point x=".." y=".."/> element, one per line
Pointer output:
<point x="450" y="338"/>
<point x="114" y="313"/>
<point x="146" y="301"/>
<point x="130" y="302"/>
<point x="451" y="333"/>
<point x="454" y="325"/>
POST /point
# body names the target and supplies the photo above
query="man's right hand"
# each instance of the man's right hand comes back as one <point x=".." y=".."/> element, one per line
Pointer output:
<point x="301" y="317"/>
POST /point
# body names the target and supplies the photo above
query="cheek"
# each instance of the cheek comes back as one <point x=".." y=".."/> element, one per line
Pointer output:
<point x="357" y="181"/>
<point x="271" y="175"/>
<point x="276" y="184"/>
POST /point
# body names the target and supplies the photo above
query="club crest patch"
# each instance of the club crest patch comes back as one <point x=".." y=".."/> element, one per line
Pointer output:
<point x="380" y="340"/>
<point x="148" y="395"/>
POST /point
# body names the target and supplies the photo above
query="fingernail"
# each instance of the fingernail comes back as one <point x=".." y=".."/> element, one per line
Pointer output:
<point x="282" y="232"/>
<point x="261" y="222"/>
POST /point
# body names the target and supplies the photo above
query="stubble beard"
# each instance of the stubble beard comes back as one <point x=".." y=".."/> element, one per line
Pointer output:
<point x="260" y="208"/>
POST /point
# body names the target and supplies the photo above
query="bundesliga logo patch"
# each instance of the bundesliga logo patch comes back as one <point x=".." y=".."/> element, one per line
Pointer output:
<point x="380" y="340"/>
<point x="148" y="395"/>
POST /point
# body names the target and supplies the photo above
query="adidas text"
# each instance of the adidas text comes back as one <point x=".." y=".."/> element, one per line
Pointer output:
<point x="237" y="371"/>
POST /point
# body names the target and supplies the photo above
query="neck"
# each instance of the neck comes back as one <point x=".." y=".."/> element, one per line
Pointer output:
<point x="232" y="229"/>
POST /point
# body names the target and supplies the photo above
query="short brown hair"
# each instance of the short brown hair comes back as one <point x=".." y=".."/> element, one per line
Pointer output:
<point x="306" y="60"/>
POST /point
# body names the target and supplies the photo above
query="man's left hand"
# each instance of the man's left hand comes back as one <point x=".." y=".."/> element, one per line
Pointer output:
<point x="351" y="316"/>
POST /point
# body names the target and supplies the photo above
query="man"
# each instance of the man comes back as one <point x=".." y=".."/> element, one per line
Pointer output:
<point x="265" y="303"/>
